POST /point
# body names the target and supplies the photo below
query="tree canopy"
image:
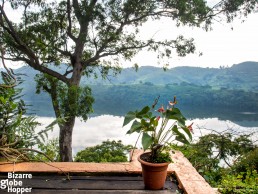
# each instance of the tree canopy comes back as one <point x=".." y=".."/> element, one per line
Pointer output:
<point x="107" y="151"/>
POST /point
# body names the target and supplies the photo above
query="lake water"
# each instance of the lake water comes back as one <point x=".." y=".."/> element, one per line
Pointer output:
<point x="101" y="128"/>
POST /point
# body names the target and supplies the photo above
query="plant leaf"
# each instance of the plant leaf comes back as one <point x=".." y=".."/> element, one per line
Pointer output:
<point x="144" y="111"/>
<point x="182" y="139"/>
<point x="175" y="114"/>
<point x="135" y="127"/>
<point x="187" y="131"/>
<point x="146" y="141"/>
<point x="129" y="117"/>
<point x="179" y="136"/>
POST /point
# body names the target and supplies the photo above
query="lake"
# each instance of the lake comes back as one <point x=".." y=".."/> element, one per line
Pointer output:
<point x="103" y="127"/>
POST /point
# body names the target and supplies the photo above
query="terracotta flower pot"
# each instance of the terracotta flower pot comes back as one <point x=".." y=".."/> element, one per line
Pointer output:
<point x="154" y="174"/>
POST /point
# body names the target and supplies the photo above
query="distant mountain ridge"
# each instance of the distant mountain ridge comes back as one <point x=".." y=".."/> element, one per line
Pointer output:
<point x="239" y="76"/>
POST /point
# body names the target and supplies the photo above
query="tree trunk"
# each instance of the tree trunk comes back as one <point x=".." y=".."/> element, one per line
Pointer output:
<point x="66" y="129"/>
<point x="68" y="114"/>
<point x="65" y="140"/>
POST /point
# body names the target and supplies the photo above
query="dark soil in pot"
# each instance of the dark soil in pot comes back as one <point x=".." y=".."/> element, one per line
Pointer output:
<point x="146" y="157"/>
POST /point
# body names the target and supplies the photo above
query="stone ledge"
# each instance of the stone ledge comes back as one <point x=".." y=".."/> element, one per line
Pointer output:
<point x="189" y="179"/>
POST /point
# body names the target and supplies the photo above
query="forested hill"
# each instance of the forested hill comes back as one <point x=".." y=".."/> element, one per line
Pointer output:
<point x="234" y="89"/>
<point x="239" y="76"/>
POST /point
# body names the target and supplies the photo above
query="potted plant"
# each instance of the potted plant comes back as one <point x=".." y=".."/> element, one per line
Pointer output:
<point x="158" y="131"/>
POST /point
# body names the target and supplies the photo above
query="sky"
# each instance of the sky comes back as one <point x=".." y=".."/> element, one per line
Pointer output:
<point x="225" y="45"/>
<point x="221" y="46"/>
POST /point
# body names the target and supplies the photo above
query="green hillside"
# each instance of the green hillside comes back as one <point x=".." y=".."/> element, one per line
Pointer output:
<point x="240" y="76"/>
<point x="220" y="90"/>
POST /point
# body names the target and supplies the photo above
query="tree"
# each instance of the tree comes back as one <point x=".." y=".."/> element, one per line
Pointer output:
<point x="87" y="35"/>
<point x="219" y="153"/>
<point x="107" y="151"/>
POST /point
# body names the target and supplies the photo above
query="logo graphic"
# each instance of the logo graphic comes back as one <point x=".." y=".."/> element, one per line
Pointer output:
<point x="14" y="183"/>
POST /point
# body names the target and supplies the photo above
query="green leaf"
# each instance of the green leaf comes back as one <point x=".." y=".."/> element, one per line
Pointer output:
<point x="146" y="141"/>
<point x="129" y="117"/>
<point x="13" y="106"/>
<point x="187" y="131"/>
<point x="175" y="114"/>
<point x="147" y="115"/>
<point x="144" y="111"/>
<point x="135" y="127"/>
<point x="56" y="121"/>
<point x="179" y="136"/>
<point x="155" y="122"/>
<point x="182" y="139"/>
<point x="2" y="99"/>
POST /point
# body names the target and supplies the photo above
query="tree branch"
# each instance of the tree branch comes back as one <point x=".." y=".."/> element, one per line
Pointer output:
<point x="69" y="28"/>
<point x="122" y="49"/>
<point x="54" y="96"/>
<point x="65" y="53"/>
<point x="32" y="59"/>
<point x="77" y="10"/>
<point x="68" y="72"/>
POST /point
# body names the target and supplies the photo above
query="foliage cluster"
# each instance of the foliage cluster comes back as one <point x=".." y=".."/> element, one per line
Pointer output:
<point x="243" y="182"/>
<point x="18" y="136"/>
<point x="212" y="150"/>
<point x="59" y="91"/>
<point x="13" y="123"/>
<point x="248" y="161"/>
<point x="50" y="148"/>
<point x="108" y="151"/>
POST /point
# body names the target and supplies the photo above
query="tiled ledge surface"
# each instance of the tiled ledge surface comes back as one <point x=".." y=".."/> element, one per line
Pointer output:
<point x="189" y="179"/>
